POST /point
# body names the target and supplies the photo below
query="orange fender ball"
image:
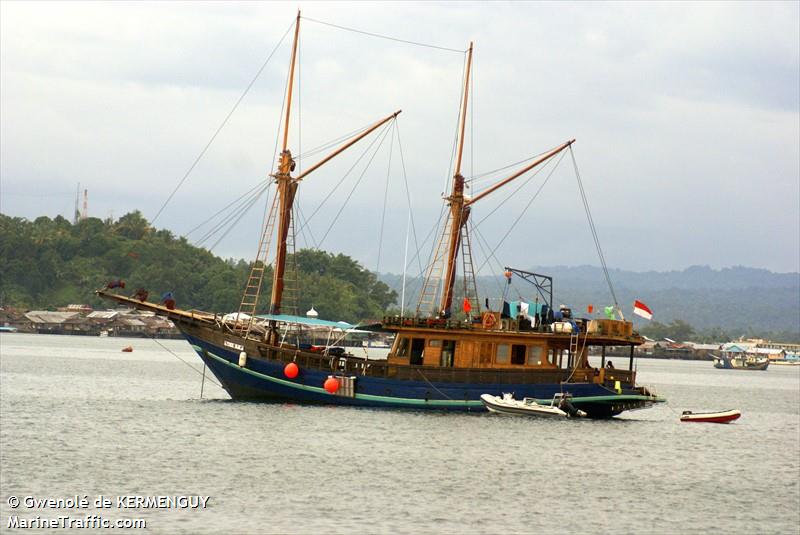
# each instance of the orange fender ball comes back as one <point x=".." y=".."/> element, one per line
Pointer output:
<point x="331" y="385"/>
<point x="291" y="370"/>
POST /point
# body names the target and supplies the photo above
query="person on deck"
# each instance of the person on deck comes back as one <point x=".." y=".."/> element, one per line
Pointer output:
<point x="610" y="365"/>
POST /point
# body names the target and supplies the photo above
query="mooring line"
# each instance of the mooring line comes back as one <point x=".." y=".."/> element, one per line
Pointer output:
<point x="168" y="350"/>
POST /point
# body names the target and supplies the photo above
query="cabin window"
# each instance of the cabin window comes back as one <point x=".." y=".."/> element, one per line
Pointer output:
<point x="518" y="354"/>
<point x="503" y="353"/>
<point x="402" y="348"/>
<point x="486" y="353"/>
<point x="417" y="350"/>
<point x="551" y="356"/>
<point x="535" y="355"/>
<point x="448" y="351"/>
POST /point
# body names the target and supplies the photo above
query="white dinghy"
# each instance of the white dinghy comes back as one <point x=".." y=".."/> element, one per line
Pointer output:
<point x="530" y="407"/>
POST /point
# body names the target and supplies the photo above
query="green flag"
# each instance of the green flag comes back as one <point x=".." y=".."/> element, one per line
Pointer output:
<point x="609" y="312"/>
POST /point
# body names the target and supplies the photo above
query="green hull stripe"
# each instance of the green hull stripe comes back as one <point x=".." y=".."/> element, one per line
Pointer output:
<point x="407" y="401"/>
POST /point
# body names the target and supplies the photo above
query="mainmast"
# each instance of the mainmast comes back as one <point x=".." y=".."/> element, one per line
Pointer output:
<point x="455" y="237"/>
<point x="458" y="212"/>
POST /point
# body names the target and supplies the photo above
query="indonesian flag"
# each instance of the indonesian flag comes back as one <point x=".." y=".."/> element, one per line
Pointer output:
<point x="640" y="309"/>
<point x="467" y="305"/>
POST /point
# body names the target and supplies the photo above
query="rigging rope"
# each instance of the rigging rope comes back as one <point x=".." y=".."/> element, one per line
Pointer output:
<point x="385" y="36"/>
<point x="454" y="148"/>
<point x="538" y="191"/>
<point x="180" y="359"/>
<point x="236" y="221"/>
<point x="514" y="193"/>
<point x="479" y="176"/>
<point x="248" y="192"/>
<point x="301" y="218"/>
<point x="593" y="229"/>
<point x="336" y="187"/>
<point x="408" y="194"/>
<point x="349" y="195"/>
<point x="299" y="104"/>
<point x="243" y="203"/>
<point x="221" y="126"/>
<point x="472" y="122"/>
<point x="494" y="275"/>
<point x="328" y="144"/>
<point x="385" y="201"/>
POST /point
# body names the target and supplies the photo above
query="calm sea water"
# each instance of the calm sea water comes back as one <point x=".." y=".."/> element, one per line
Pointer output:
<point x="78" y="417"/>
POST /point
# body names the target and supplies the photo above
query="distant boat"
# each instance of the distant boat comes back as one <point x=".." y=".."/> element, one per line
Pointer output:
<point x="722" y="417"/>
<point x="8" y="329"/>
<point x="741" y="361"/>
<point x="127" y="349"/>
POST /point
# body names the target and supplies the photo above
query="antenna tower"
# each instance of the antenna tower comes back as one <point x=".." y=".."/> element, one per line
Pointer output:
<point x="77" y="214"/>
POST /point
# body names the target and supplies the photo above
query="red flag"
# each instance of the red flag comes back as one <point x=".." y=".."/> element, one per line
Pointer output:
<point x="640" y="309"/>
<point x="467" y="305"/>
<point x="590" y="309"/>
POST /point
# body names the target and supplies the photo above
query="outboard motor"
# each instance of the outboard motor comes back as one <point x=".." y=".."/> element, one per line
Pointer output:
<point x="571" y="410"/>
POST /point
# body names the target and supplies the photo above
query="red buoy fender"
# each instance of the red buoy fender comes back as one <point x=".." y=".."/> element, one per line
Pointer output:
<point x="331" y="385"/>
<point x="291" y="370"/>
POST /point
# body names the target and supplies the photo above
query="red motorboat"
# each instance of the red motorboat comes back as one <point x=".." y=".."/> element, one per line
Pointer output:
<point x="127" y="349"/>
<point x="722" y="417"/>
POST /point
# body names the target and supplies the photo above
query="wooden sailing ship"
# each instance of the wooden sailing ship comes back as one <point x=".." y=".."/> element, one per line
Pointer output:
<point x="436" y="361"/>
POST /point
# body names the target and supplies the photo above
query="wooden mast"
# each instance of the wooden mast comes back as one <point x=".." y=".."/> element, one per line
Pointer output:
<point x="287" y="185"/>
<point x="460" y="207"/>
<point x="286" y="189"/>
<point x="458" y="213"/>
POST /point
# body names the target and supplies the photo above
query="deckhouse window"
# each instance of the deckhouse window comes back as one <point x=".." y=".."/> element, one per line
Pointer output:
<point x="417" y="350"/>
<point x="486" y="353"/>
<point x="503" y="353"/>
<point x="402" y="347"/>
<point x="535" y="355"/>
<point x="518" y="354"/>
<point x="448" y="352"/>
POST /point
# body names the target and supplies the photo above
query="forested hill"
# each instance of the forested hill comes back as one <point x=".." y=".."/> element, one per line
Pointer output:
<point x="49" y="263"/>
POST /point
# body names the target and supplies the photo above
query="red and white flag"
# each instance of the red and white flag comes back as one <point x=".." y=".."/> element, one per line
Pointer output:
<point x="640" y="309"/>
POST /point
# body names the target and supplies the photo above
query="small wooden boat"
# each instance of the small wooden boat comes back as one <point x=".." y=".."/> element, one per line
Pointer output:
<point x="722" y="417"/>
<point x="530" y="407"/>
<point x="741" y="361"/>
<point x="128" y="349"/>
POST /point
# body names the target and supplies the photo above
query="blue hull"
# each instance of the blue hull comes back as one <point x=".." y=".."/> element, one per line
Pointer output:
<point x="263" y="379"/>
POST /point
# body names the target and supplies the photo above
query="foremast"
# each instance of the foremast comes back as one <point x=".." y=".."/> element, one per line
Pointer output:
<point x="286" y="188"/>
<point x="281" y="214"/>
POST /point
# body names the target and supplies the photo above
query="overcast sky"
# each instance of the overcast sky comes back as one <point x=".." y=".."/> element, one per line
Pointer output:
<point x="686" y="117"/>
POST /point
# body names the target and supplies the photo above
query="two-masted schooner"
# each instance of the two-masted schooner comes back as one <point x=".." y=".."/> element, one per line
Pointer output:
<point x="439" y="359"/>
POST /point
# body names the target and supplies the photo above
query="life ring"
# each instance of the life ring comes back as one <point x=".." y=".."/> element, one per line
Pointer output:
<point x="489" y="320"/>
